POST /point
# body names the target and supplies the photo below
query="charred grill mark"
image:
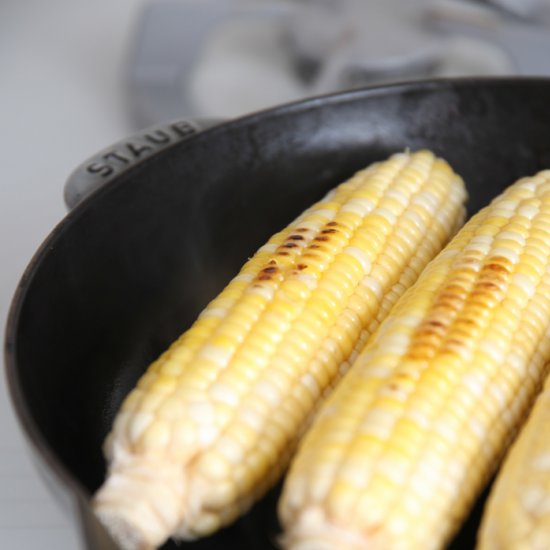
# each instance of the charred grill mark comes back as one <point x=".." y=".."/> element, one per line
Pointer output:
<point x="434" y="323"/>
<point x="498" y="268"/>
<point x="290" y="245"/>
<point x="454" y="342"/>
<point x="433" y="332"/>
<point x="296" y="237"/>
<point x="489" y="286"/>
<point x="450" y="304"/>
<point x="459" y="312"/>
<point x="498" y="264"/>
<point x="429" y="338"/>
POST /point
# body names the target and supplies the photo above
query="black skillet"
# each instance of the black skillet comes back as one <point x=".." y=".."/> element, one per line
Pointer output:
<point x="130" y="267"/>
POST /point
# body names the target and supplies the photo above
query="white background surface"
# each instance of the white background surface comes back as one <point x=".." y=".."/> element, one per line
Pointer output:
<point x="61" y="99"/>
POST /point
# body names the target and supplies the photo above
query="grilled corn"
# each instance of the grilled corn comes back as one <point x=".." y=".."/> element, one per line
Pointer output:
<point x="517" y="513"/>
<point x="213" y="422"/>
<point x="403" y="446"/>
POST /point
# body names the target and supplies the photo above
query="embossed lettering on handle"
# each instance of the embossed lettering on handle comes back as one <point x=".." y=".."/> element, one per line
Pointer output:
<point x="127" y="153"/>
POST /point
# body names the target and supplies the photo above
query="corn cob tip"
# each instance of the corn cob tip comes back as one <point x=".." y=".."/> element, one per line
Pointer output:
<point x="310" y="531"/>
<point x="139" y="505"/>
<point x="123" y="533"/>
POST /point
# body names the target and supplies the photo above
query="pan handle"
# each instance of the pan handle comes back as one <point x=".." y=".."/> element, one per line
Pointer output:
<point x="127" y="153"/>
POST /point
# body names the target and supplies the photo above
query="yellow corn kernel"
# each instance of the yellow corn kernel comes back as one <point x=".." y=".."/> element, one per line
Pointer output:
<point x="517" y="513"/>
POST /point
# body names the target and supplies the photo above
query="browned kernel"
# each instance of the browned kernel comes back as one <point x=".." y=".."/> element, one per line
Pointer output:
<point x="456" y="291"/>
<point x="498" y="278"/>
<point x="489" y="285"/>
<point x="332" y="224"/>
<point x="498" y="264"/>
<point x="296" y="237"/>
<point x="428" y="338"/>
<point x="302" y="229"/>
<point x="430" y="333"/>
<point x="328" y="231"/>
<point x="449" y="302"/>
<point x="454" y="343"/>
<point x="435" y="323"/>
<point x="290" y="245"/>
<point x="468" y="321"/>
<point x="321" y="238"/>
<point x="301" y="266"/>
<point x="270" y="270"/>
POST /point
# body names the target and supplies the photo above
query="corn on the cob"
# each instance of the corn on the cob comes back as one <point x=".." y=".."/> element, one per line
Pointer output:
<point x="212" y="423"/>
<point x="402" y="447"/>
<point x="517" y="513"/>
